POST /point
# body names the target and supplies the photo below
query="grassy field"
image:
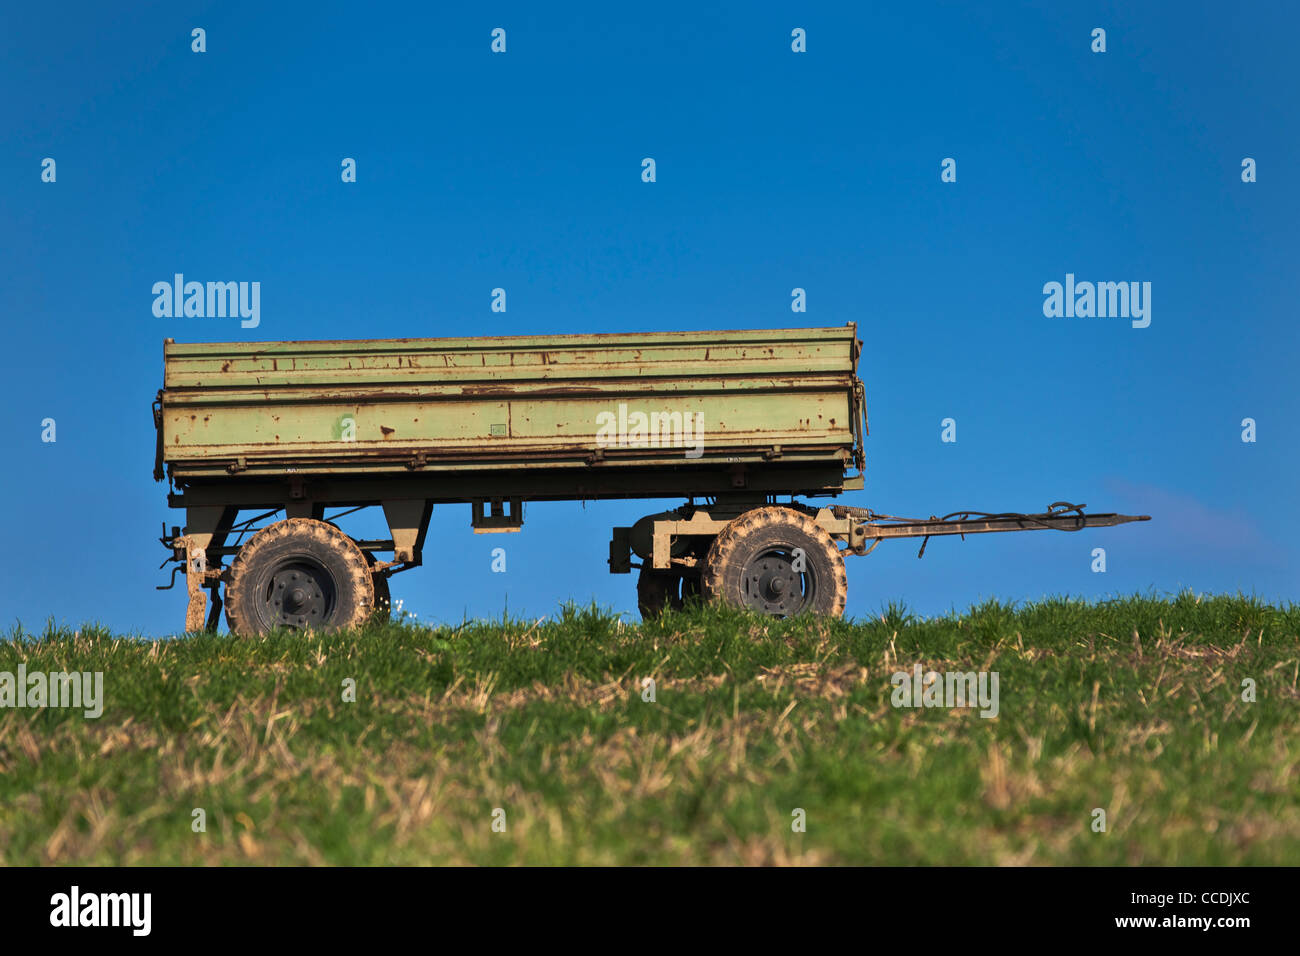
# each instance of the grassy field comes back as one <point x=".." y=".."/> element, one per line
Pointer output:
<point x="1133" y="706"/>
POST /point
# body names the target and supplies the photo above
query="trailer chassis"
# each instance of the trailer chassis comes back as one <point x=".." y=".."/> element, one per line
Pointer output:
<point x="859" y="530"/>
<point x="672" y="546"/>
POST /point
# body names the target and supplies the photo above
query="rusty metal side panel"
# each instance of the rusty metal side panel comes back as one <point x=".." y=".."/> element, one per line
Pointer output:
<point x="498" y="429"/>
<point x="397" y="362"/>
<point x="627" y="399"/>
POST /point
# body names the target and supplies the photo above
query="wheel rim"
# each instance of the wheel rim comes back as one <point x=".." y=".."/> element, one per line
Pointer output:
<point x="773" y="586"/>
<point x="299" y="594"/>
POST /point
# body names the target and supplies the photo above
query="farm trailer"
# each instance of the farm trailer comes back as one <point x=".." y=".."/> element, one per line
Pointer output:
<point x="737" y="424"/>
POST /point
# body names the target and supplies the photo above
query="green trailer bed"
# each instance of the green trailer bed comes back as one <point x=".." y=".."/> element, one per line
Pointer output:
<point x="692" y="400"/>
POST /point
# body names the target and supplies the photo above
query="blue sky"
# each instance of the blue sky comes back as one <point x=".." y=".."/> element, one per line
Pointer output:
<point x="775" y="170"/>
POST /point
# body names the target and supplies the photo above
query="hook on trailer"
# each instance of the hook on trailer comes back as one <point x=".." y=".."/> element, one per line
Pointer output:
<point x="167" y="587"/>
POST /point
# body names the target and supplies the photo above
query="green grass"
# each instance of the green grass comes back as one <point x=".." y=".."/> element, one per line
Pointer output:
<point x="1133" y="706"/>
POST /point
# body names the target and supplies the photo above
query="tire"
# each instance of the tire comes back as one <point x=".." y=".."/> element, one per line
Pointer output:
<point x="658" y="591"/>
<point x="302" y="574"/>
<point x="752" y="563"/>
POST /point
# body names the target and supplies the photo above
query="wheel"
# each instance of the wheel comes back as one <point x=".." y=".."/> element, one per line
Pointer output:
<point x="299" y="573"/>
<point x="657" y="591"/>
<point x="755" y="562"/>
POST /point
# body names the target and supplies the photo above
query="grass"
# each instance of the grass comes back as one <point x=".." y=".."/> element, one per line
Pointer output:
<point x="1132" y="705"/>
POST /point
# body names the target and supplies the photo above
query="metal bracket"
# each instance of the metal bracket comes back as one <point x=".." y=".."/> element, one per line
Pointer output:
<point x="497" y="518"/>
<point x="196" y="572"/>
<point x="408" y="522"/>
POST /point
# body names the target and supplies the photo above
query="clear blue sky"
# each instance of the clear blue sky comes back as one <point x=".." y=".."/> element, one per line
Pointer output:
<point x="775" y="170"/>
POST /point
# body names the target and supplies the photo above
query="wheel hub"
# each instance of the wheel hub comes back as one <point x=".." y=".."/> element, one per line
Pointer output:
<point x="773" y="586"/>
<point x="300" y="595"/>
